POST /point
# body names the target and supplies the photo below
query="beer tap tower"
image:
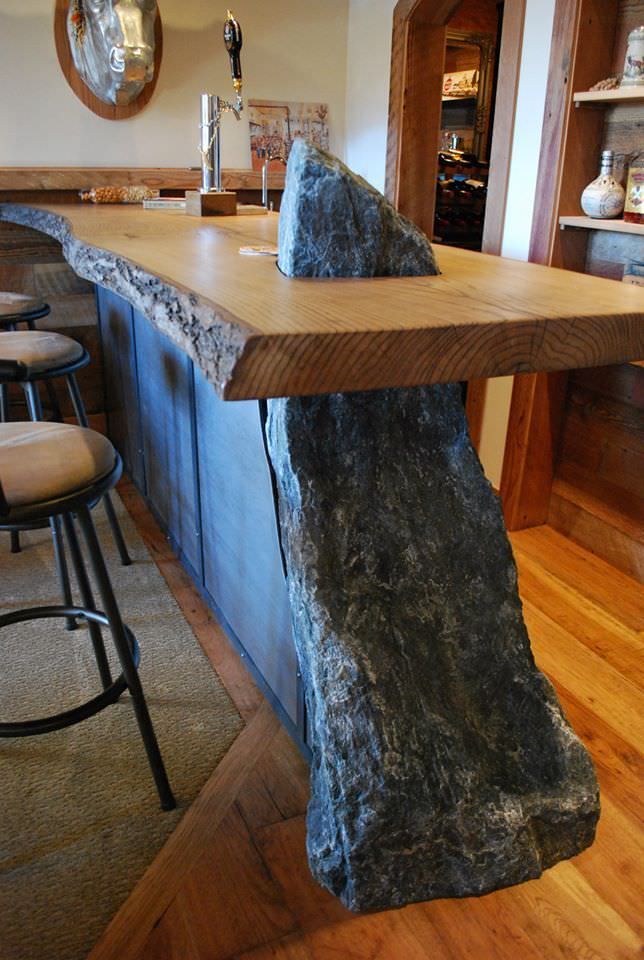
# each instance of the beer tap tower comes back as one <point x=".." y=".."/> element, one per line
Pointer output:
<point x="211" y="199"/>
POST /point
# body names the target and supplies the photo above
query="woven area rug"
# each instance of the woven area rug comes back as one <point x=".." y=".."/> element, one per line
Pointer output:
<point x="79" y="814"/>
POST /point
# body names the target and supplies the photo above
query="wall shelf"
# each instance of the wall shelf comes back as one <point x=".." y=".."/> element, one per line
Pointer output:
<point x="589" y="223"/>
<point x="557" y="427"/>
<point x="608" y="97"/>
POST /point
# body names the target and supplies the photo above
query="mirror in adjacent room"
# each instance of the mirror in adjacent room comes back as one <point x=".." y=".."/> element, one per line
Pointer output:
<point x="467" y="90"/>
<point x="461" y="189"/>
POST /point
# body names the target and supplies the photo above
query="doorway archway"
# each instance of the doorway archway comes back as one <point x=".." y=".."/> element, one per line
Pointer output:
<point x="416" y="80"/>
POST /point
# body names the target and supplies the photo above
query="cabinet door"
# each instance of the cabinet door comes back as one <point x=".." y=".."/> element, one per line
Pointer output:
<point x="119" y="371"/>
<point x="242" y="564"/>
<point x="166" y="399"/>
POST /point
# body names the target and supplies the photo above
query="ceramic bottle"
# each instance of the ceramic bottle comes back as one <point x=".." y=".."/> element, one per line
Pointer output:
<point x="634" y="62"/>
<point x="603" y="199"/>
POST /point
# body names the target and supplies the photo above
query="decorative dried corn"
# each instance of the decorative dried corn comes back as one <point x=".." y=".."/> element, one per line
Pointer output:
<point x="131" y="194"/>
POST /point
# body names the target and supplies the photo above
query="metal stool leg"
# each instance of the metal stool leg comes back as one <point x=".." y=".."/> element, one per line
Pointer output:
<point x="33" y="399"/>
<point x="81" y="416"/>
<point x="125" y="656"/>
<point x="117" y="533"/>
<point x="61" y="569"/>
<point x="35" y="412"/>
<point x="53" y="401"/>
<point x="4" y="403"/>
<point x="87" y="599"/>
<point x="4" y="418"/>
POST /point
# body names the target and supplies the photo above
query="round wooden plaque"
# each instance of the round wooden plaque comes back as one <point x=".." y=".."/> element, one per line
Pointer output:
<point x="106" y="110"/>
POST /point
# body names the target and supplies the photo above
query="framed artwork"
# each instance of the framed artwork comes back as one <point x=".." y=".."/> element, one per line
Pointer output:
<point x="275" y="124"/>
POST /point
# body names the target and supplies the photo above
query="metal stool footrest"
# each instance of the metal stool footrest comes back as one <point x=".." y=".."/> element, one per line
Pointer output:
<point x="28" y="728"/>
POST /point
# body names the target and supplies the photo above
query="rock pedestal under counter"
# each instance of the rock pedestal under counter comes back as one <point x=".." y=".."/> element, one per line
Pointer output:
<point x="206" y="317"/>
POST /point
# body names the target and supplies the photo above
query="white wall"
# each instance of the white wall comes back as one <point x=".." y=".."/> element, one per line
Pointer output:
<point x="535" y="58"/>
<point x="369" y="52"/>
<point x="292" y="50"/>
<point x="369" y="57"/>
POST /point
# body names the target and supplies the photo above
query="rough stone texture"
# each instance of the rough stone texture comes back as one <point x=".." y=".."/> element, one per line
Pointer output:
<point x="334" y="224"/>
<point x="442" y="762"/>
<point x="213" y="342"/>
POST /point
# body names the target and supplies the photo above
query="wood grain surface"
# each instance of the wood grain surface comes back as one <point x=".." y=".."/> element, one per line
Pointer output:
<point x="598" y="491"/>
<point x="603" y="97"/>
<point x="614" y="226"/>
<point x="483" y="316"/>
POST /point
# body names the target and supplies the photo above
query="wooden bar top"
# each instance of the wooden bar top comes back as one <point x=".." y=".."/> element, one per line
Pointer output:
<point x="256" y="333"/>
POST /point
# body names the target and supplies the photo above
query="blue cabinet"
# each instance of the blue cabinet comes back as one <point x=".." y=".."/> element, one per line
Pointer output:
<point x="242" y="563"/>
<point x="166" y="405"/>
<point x="120" y="378"/>
<point x="201" y="465"/>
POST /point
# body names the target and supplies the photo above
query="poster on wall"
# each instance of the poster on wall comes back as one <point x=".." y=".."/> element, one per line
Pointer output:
<point x="274" y="125"/>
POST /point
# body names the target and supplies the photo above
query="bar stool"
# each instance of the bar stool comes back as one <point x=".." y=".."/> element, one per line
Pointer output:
<point x="60" y="470"/>
<point x="17" y="308"/>
<point x="21" y="308"/>
<point x="34" y="356"/>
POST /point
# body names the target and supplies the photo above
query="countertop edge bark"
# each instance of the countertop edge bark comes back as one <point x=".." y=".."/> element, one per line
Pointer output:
<point x="215" y="343"/>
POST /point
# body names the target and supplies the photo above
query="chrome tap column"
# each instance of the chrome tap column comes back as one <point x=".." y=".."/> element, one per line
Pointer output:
<point x="210" y="147"/>
<point x="213" y="108"/>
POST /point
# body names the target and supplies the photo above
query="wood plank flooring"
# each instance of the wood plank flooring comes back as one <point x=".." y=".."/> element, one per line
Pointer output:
<point x="233" y="881"/>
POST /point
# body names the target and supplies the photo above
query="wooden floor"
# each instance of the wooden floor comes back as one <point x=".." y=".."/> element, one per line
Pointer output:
<point x="233" y="882"/>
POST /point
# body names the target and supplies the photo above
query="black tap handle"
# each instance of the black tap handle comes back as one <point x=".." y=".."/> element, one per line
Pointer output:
<point x="233" y="41"/>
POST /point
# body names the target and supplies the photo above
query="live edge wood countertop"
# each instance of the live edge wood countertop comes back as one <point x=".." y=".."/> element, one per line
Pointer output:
<point x="256" y="333"/>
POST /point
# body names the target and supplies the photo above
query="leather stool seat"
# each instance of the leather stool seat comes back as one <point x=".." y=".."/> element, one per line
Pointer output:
<point x="14" y="304"/>
<point x="39" y="350"/>
<point x="41" y="462"/>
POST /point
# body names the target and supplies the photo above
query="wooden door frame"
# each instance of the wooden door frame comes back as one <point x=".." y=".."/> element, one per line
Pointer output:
<point x="416" y="83"/>
<point x="413" y="134"/>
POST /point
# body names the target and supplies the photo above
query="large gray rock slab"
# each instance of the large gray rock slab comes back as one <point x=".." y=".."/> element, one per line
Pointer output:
<point x="334" y="224"/>
<point x="443" y="765"/>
